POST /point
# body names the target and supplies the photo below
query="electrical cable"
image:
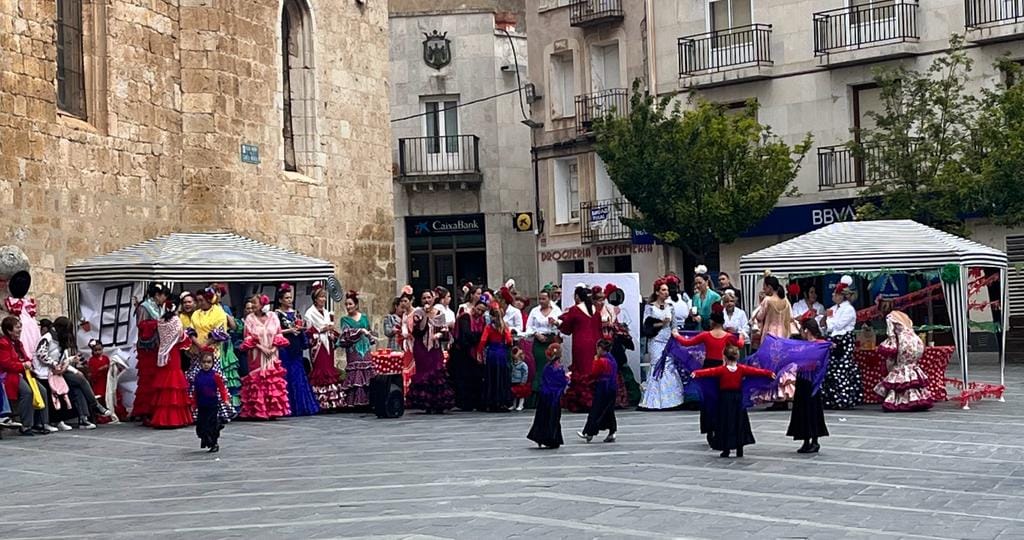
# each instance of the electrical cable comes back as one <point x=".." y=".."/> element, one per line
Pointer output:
<point x="460" y="105"/>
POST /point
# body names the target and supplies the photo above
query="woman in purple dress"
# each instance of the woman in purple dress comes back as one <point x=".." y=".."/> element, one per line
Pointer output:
<point x="429" y="390"/>
<point x="300" y="393"/>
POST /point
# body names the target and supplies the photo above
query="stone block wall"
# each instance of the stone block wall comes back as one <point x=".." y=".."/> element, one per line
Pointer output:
<point x="174" y="87"/>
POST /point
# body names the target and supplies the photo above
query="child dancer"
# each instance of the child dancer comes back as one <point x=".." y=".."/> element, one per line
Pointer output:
<point x="732" y="425"/>
<point x="807" y="421"/>
<point x="521" y="388"/>
<point x="209" y="394"/>
<point x="602" y="411"/>
<point x="547" y="421"/>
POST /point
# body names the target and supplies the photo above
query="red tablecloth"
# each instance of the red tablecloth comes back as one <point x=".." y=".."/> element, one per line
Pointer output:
<point x="873" y="369"/>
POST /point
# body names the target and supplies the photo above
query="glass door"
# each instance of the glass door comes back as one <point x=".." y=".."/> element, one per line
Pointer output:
<point x="441" y="125"/>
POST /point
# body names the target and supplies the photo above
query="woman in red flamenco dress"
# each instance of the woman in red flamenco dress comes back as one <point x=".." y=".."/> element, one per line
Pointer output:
<point x="583" y="323"/>
<point x="171" y="407"/>
<point x="264" y="389"/>
<point x="148" y="314"/>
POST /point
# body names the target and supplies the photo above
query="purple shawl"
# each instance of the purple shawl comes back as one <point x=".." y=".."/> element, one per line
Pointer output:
<point x="683" y="359"/>
<point x="553" y="381"/>
<point x="809" y="357"/>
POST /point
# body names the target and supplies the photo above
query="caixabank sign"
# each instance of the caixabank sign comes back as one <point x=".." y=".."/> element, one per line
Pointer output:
<point x="444" y="225"/>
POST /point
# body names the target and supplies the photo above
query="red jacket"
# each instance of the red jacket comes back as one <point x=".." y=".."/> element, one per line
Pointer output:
<point x="12" y="356"/>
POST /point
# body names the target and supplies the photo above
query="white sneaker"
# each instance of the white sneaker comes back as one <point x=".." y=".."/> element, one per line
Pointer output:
<point x="50" y="429"/>
<point x="520" y="407"/>
<point x="86" y="425"/>
<point x="63" y="427"/>
<point x="7" y="422"/>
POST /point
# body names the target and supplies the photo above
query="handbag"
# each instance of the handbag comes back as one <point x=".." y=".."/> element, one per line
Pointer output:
<point x="37" y="397"/>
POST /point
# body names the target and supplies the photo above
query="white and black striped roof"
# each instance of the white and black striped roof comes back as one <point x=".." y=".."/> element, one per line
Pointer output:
<point x="200" y="257"/>
<point x="871" y="246"/>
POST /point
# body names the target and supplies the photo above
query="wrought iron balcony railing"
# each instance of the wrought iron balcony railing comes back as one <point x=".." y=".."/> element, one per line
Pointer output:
<point x="857" y="27"/>
<point x="841" y="167"/>
<point x="583" y="13"/>
<point x="589" y="107"/>
<point x="726" y="49"/>
<point x="435" y="157"/>
<point x="981" y="13"/>
<point x="602" y="220"/>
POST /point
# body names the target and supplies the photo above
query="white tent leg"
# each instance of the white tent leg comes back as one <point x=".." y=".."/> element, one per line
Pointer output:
<point x="1004" y="309"/>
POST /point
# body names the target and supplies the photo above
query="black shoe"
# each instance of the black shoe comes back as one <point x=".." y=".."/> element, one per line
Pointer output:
<point x="804" y="448"/>
<point x="813" y="449"/>
<point x="739" y="452"/>
<point x="779" y="406"/>
<point x="725" y="453"/>
<point x="214" y="449"/>
<point x="26" y="433"/>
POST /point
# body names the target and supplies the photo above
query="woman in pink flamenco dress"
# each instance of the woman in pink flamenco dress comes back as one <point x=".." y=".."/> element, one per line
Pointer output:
<point x="264" y="389"/>
<point x="905" y="388"/>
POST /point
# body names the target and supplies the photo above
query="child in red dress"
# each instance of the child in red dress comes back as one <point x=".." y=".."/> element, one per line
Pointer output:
<point x="521" y="387"/>
<point x="730" y="420"/>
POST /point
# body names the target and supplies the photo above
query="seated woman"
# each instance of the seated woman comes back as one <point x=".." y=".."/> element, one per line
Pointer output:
<point x="15" y="366"/>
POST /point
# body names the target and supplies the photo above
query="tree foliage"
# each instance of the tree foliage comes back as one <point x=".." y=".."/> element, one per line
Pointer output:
<point x="939" y="152"/>
<point x="697" y="177"/>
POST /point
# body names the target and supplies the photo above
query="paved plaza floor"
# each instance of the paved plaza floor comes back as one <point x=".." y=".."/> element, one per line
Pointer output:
<point x="946" y="473"/>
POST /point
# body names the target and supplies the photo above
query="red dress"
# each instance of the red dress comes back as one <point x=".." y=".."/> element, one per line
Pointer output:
<point x="585" y="331"/>
<point x="145" y="353"/>
<point x="171" y="407"/>
<point x="714" y="348"/>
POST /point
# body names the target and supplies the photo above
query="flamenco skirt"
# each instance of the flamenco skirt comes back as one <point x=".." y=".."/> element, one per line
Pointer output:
<point x="665" y="392"/>
<point x="707" y="420"/>
<point x="359" y="373"/>
<point x="807" y="420"/>
<point x="522" y="391"/>
<point x="905" y="389"/>
<point x="229" y="370"/>
<point x="324" y="380"/>
<point x="842" y="388"/>
<point x="208" y="425"/>
<point x="300" y="394"/>
<point x="497" y="387"/>
<point x="632" y="388"/>
<point x="467" y="376"/>
<point x="580" y="395"/>
<point x="602" y="413"/>
<point x="732" y="425"/>
<point x="170" y="406"/>
<point x="547" y="422"/>
<point x="265" y="394"/>
<point x="431" y="394"/>
<point x="146" y="369"/>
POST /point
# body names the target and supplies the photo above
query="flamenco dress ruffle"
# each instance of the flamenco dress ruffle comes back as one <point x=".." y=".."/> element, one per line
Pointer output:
<point x="300" y="393"/>
<point x="356" y="386"/>
<point x="229" y="370"/>
<point x="580" y="394"/>
<point x="170" y="406"/>
<point x="145" y="369"/>
<point x="265" y="394"/>
<point x="324" y="380"/>
<point x="905" y="389"/>
<point x="429" y="390"/>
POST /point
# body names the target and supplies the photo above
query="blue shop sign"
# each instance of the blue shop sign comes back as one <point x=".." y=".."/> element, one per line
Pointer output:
<point x="804" y="217"/>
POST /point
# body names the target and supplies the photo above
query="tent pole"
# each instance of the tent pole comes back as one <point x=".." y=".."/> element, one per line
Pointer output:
<point x="1004" y="309"/>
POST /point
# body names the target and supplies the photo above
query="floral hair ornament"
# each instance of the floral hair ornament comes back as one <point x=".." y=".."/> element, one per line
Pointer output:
<point x="670" y="279"/>
<point x="609" y="289"/>
<point x="221" y="289"/>
<point x="794" y="289"/>
<point x="407" y="290"/>
<point x="510" y="284"/>
<point x="700" y="270"/>
<point x="317" y="286"/>
<point x="767" y="272"/>
<point x="184" y="295"/>
<point x="93" y="342"/>
<point x="209" y="294"/>
<point x="352" y="295"/>
<point x="717" y="308"/>
<point x="493" y="305"/>
<point x="284" y="287"/>
<point x="206" y="349"/>
<point x="844" y="284"/>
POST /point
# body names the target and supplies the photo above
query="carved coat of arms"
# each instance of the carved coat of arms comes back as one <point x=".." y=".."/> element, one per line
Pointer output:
<point x="437" y="49"/>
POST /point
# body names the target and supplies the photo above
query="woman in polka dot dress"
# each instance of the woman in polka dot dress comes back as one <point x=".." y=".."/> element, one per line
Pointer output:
<point x="842" y="387"/>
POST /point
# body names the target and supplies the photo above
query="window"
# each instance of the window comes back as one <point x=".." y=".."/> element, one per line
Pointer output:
<point x="604" y="67"/>
<point x="563" y="86"/>
<point x="727" y="14"/>
<point x="298" y="118"/>
<point x="70" y="58"/>
<point x="736" y="108"/>
<point x="441" y="123"/>
<point x="866" y="98"/>
<point x="115" y="317"/>
<point x="567" y="191"/>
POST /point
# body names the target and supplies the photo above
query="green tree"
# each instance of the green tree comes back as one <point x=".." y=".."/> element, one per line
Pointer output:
<point x="696" y="177"/>
<point x="941" y="152"/>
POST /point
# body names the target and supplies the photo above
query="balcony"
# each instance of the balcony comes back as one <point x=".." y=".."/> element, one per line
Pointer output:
<point x="726" y="56"/>
<point x="602" y="223"/>
<point x="839" y="167"/>
<point x="888" y="29"/>
<point x="447" y="161"/>
<point x="994" y="20"/>
<point x="590" y="107"/>
<point x="585" y="13"/>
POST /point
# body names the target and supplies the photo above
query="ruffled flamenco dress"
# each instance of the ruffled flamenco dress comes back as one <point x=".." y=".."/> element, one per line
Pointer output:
<point x="905" y="388"/>
<point x="324" y="377"/>
<point x="264" y="389"/>
<point x="300" y="392"/>
<point x="429" y="390"/>
<point x="359" y="366"/>
<point x="170" y="406"/>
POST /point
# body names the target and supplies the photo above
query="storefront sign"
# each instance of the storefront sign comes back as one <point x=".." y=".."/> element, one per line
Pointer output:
<point x="572" y="254"/>
<point x="804" y="217"/>
<point x="523" y="222"/>
<point x="598" y="214"/>
<point x="444" y="225"/>
<point x="623" y="249"/>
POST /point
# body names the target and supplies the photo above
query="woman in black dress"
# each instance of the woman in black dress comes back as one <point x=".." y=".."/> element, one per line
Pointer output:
<point x="602" y="409"/>
<point x="808" y="419"/>
<point x="464" y="370"/>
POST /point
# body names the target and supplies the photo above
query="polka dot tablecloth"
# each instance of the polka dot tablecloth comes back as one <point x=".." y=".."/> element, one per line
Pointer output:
<point x="386" y="362"/>
<point x="873" y="369"/>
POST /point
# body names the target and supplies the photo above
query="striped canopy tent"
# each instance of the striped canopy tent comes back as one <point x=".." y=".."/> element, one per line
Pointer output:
<point x="886" y="245"/>
<point x="200" y="257"/>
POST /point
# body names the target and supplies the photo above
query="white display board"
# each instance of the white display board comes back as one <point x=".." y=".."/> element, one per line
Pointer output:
<point x="628" y="312"/>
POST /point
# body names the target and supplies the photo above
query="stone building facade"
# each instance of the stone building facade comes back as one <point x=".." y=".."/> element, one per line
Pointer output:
<point x="462" y="165"/>
<point x="585" y="55"/>
<point x="134" y="127"/>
